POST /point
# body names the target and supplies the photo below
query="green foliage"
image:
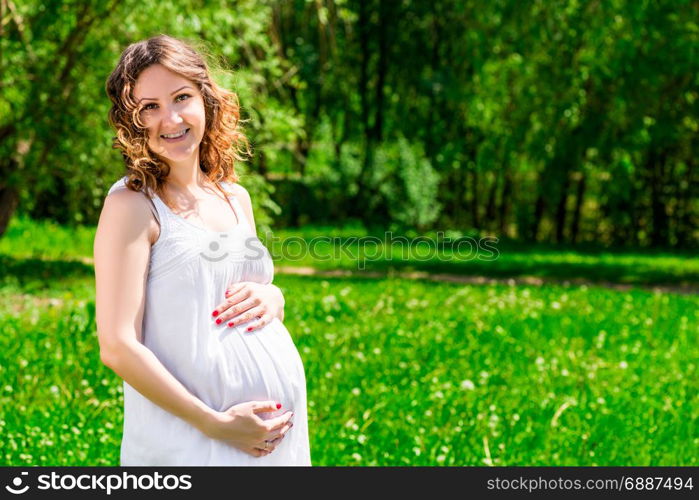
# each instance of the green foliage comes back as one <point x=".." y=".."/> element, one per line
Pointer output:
<point x="563" y="122"/>
<point x="408" y="182"/>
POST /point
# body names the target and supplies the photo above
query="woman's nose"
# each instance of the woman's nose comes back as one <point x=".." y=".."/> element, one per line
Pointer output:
<point x="172" y="117"/>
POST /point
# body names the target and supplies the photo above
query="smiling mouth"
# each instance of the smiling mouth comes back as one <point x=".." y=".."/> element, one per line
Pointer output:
<point x="177" y="135"/>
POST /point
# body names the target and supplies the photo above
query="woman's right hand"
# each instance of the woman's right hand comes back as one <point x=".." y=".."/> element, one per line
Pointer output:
<point x="239" y="426"/>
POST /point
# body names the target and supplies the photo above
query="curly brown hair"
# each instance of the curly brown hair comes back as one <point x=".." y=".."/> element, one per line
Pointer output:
<point x="223" y="143"/>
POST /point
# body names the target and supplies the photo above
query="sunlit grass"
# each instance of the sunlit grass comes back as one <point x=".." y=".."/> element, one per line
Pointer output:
<point x="399" y="372"/>
<point x="403" y="372"/>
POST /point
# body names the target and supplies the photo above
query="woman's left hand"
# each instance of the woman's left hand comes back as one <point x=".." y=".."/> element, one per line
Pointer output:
<point x="248" y="300"/>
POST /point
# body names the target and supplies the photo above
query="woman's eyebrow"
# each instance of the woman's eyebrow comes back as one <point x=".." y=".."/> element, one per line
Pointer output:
<point x="173" y="92"/>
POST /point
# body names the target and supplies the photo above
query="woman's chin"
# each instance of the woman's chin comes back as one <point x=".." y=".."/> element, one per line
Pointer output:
<point x="176" y="156"/>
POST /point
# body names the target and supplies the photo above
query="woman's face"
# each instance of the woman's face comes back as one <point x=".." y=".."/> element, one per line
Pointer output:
<point x="172" y="105"/>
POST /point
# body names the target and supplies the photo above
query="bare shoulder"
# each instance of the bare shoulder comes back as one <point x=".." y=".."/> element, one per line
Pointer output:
<point x="128" y="213"/>
<point x="239" y="191"/>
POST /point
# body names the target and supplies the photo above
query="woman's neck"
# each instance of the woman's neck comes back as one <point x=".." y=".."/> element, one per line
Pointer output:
<point x="187" y="181"/>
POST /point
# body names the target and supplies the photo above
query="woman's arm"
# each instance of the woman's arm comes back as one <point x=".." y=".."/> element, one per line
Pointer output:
<point x="122" y="251"/>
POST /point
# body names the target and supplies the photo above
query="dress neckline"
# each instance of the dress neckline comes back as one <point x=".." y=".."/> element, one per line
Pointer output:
<point x="202" y="228"/>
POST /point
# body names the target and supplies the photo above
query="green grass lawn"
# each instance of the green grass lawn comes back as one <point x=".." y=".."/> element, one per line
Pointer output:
<point x="399" y="372"/>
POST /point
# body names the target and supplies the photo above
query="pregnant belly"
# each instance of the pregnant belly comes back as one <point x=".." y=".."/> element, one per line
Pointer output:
<point x="262" y="365"/>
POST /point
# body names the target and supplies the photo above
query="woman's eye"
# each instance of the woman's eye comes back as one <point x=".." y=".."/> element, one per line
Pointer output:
<point x="147" y="106"/>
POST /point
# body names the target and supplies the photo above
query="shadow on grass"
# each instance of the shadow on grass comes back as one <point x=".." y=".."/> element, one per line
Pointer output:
<point x="33" y="272"/>
<point x="513" y="263"/>
<point x="587" y="262"/>
<point x="594" y="272"/>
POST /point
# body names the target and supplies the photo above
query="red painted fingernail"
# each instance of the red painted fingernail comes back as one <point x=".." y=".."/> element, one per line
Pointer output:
<point x="218" y="321"/>
<point x="230" y="324"/>
<point x="249" y="328"/>
<point x="279" y="405"/>
<point x="215" y="313"/>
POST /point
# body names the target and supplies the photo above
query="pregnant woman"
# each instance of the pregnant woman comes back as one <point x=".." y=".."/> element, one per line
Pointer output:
<point x="186" y="312"/>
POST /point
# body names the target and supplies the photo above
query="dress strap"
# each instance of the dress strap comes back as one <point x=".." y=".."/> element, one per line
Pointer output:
<point x="237" y="207"/>
<point x="239" y="212"/>
<point x="160" y="207"/>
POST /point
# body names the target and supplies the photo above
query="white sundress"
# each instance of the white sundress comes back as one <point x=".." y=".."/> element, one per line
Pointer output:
<point x="190" y="269"/>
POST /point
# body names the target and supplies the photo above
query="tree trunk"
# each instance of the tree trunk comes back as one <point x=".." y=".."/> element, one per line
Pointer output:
<point x="538" y="214"/>
<point x="561" y="209"/>
<point x="636" y="208"/>
<point x="659" y="234"/>
<point x="454" y="184"/>
<point x="9" y="193"/>
<point x="359" y="202"/>
<point x="490" y="205"/>
<point x="684" y="215"/>
<point x="381" y="71"/>
<point x="474" y="198"/>
<point x="430" y="139"/>
<point x="577" y="212"/>
<point x="262" y="167"/>
<point x="8" y="205"/>
<point x="505" y="202"/>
